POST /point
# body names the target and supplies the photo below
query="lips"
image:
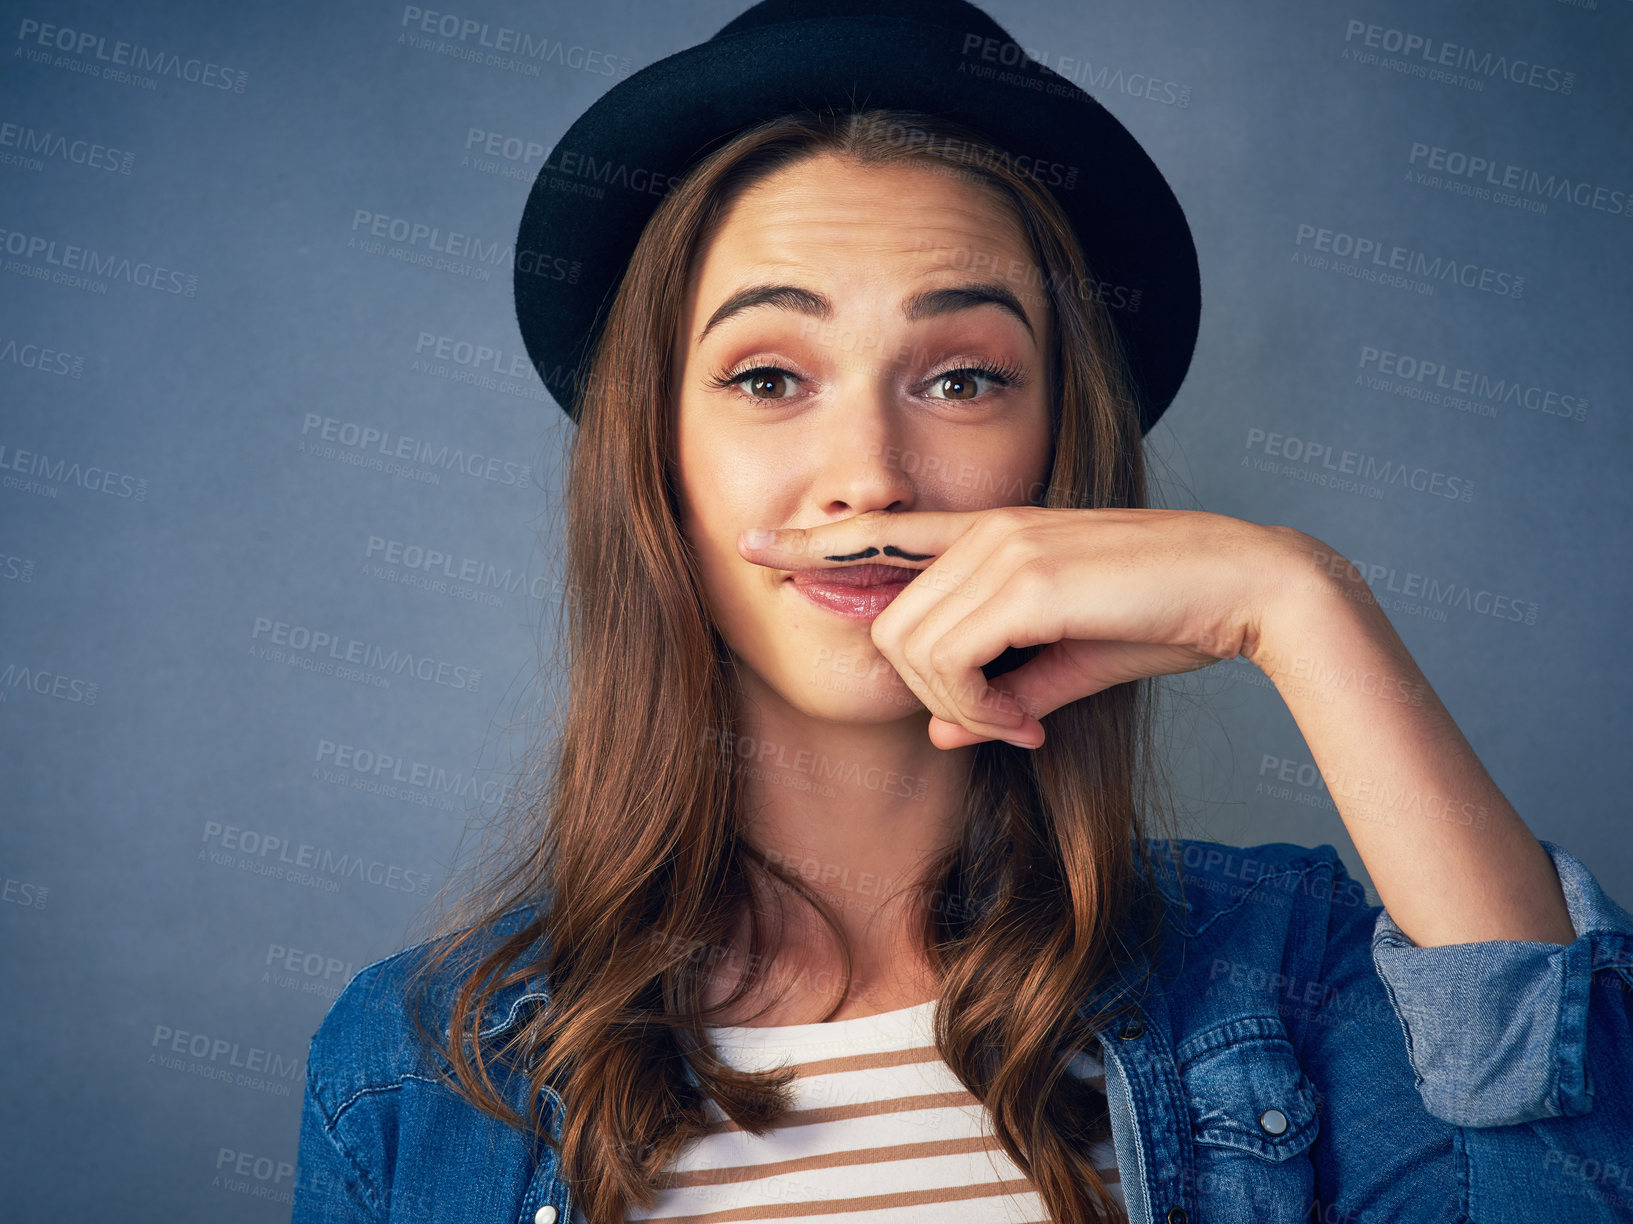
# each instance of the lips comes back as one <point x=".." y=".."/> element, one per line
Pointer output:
<point x="855" y="592"/>
<point x="857" y="576"/>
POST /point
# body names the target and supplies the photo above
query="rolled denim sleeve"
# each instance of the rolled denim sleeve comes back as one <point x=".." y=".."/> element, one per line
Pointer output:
<point x="1498" y="1032"/>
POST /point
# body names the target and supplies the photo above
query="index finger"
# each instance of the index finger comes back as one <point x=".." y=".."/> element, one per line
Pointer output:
<point x="913" y="538"/>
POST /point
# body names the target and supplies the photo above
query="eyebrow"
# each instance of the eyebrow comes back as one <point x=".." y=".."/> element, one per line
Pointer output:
<point x="924" y="305"/>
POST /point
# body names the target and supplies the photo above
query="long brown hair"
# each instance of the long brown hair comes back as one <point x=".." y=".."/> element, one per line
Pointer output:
<point x="629" y="865"/>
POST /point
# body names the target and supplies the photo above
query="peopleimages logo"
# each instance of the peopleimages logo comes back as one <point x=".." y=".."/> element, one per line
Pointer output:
<point x="1490" y="178"/>
<point x="47" y="683"/>
<point x="58" y="470"/>
<point x="321" y="436"/>
<point x="1380" y="253"/>
<point x="221" y="1050"/>
<point x="1088" y="74"/>
<point x="35" y="146"/>
<point x="502" y="46"/>
<point x="470" y="354"/>
<point x="1321" y="458"/>
<point x="1435" y="591"/>
<point x="277" y="857"/>
<point x="286" y="642"/>
<point x="69" y="259"/>
<point x="121" y="61"/>
<point x="1435" y="54"/>
<point x="1437" y="381"/>
<point x="42" y="358"/>
<point x="394" y="774"/>
<point x="420" y="242"/>
<point x="220" y="1058"/>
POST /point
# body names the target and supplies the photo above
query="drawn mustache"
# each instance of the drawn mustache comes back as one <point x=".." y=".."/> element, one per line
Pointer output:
<point x="889" y="550"/>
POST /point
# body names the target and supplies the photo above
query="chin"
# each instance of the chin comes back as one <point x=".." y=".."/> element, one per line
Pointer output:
<point x="832" y="690"/>
<point x="824" y="666"/>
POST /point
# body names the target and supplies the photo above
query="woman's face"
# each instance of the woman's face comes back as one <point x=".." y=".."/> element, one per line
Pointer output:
<point x="861" y="384"/>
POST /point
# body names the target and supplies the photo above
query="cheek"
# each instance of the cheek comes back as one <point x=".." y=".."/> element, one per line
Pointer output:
<point x="723" y="491"/>
<point x="958" y="471"/>
<point x="697" y="479"/>
<point x="711" y="494"/>
<point x="1028" y="453"/>
<point x="732" y="475"/>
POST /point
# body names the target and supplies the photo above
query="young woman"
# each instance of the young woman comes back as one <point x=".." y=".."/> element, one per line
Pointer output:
<point x="844" y="898"/>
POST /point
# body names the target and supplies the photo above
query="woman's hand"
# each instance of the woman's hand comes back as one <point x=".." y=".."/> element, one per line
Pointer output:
<point x="1112" y="595"/>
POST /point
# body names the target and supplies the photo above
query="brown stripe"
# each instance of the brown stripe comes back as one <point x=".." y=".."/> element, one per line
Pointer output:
<point x="872" y="1202"/>
<point x="862" y="1109"/>
<point x="728" y="1174"/>
<point x="831" y="1160"/>
<point x="867" y="1062"/>
<point x="893" y="1058"/>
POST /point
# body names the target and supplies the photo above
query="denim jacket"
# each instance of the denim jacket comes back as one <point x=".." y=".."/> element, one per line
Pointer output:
<point x="1290" y="1056"/>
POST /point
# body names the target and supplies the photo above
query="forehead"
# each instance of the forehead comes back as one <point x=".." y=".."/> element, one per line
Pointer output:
<point x="830" y="206"/>
<point x="837" y="220"/>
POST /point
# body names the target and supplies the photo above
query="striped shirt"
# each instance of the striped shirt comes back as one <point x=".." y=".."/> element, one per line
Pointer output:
<point x="881" y="1132"/>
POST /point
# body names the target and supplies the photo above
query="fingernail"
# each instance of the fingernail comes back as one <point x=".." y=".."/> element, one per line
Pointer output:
<point x="756" y="537"/>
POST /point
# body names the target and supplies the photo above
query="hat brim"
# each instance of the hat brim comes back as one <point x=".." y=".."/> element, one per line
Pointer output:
<point x="606" y="176"/>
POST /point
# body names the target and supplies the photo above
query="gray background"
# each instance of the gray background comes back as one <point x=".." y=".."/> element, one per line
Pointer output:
<point x="160" y="983"/>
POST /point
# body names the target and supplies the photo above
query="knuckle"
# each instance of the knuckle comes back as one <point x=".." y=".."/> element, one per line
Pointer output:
<point x="1034" y="574"/>
<point x="942" y="656"/>
<point x="1014" y="519"/>
<point x="918" y="652"/>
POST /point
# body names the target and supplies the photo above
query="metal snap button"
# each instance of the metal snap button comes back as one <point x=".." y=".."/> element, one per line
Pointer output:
<point x="545" y="1215"/>
<point x="1178" y="1215"/>
<point x="1273" y="1122"/>
<point x="1132" y="1031"/>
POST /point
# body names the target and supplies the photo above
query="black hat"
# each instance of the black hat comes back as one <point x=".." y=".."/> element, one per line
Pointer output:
<point x="603" y="181"/>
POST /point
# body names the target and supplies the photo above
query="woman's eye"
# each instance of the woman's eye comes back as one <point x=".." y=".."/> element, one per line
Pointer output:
<point x="959" y="384"/>
<point x="767" y="383"/>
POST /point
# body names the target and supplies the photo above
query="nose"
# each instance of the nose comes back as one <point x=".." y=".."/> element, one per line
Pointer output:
<point x="864" y="464"/>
